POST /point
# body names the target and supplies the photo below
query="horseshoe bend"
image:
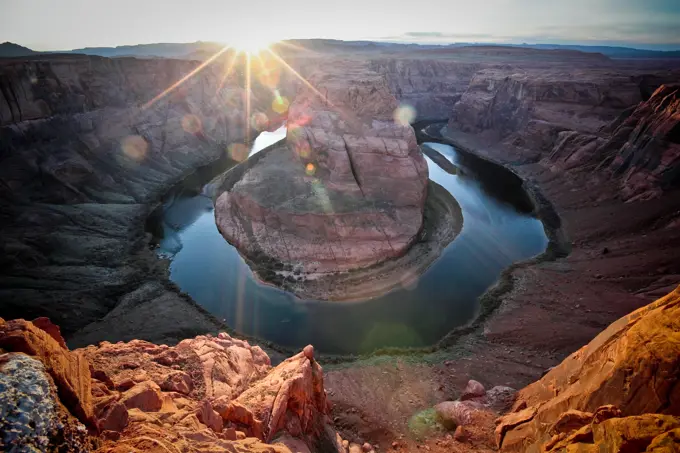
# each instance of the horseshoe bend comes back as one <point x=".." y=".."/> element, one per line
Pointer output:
<point x="317" y="245"/>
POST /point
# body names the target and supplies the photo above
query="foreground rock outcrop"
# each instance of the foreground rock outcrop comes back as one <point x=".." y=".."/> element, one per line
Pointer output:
<point x="619" y="393"/>
<point x="216" y="394"/>
<point x="346" y="192"/>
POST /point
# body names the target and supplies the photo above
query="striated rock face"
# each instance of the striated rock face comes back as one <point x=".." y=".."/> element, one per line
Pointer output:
<point x="642" y="151"/>
<point x="85" y="151"/>
<point x="621" y="390"/>
<point x="430" y="86"/>
<point x="215" y="394"/>
<point x="347" y="191"/>
<point x="534" y="106"/>
<point x="645" y="148"/>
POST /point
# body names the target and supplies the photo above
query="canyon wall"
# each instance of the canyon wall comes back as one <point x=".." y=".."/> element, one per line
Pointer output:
<point x="617" y="122"/>
<point x="431" y="87"/>
<point x="87" y="148"/>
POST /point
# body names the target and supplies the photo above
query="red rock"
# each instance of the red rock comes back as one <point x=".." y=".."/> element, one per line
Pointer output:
<point x="457" y="413"/>
<point x="145" y="396"/>
<point x="366" y="447"/>
<point x="460" y="435"/>
<point x="70" y="371"/>
<point x="309" y="351"/>
<point x="179" y="382"/>
<point x="345" y="192"/>
<point x="53" y="330"/>
<point x="230" y="433"/>
<point x="571" y="420"/>
<point x="473" y="389"/>
<point x="209" y="417"/>
<point x="114" y="418"/>
<point x="627" y="370"/>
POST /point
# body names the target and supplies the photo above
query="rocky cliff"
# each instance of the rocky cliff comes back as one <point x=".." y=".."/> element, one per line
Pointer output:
<point x="619" y="393"/>
<point x="348" y="189"/>
<point x="215" y="394"/>
<point x="430" y="86"/>
<point x="88" y="145"/>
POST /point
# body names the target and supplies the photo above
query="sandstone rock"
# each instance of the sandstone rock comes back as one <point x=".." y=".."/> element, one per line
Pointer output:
<point x="473" y="389"/>
<point x="346" y="192"/>
<point x="460" y="435"/>
<point x="366" y="447"/>
<point x="145" y="396"/>
<point x="70" y="371"/>
<point x="113" y="418"/>
<point x="457" y="413"/>
<point x="309" y="351"/>
<point x="53" y="330"/>
<point x="291" y="394"/>
<point x="210" y="418"/>
<point x="571" y="420"/>
<point x="500" y="398"/>
<point x="629" y="369"/>
<point x="632" y="433"/>
<point x="179" y="382"/>
<point x="668" y="442"/>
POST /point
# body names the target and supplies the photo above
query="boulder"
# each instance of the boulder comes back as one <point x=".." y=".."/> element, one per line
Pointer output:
<point x="145" y="396"/>
<point x="473" y="389"/>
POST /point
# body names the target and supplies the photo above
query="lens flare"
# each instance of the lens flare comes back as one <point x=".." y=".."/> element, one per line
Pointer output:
<point x="310" y="169"/>
<point x="259" y="121"/>
<point x="280" y="104"/>
<point x="191" y="124"/>
<point x="404" y="115"/>
<point x="134" y="147"/>
<point x="238" y="152"/>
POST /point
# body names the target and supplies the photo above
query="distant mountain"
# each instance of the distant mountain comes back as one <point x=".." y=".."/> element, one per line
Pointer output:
<point x="201" y="50"/>
<point x="611" y="52"/>
<point x="9" y="49"/>
<point x="162" y="50"/>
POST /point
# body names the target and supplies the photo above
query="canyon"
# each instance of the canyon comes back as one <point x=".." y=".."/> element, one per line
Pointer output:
<point x="89" y="148"/>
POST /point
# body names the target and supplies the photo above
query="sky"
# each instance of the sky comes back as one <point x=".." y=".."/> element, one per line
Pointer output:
<point x="68" y="24"/>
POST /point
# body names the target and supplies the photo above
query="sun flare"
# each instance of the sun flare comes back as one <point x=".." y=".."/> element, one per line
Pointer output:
<point x="251" y="44"/>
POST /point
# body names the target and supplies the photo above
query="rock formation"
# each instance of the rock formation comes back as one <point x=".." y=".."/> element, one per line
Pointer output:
<point x="346" y="192"/>
<point x="619" y="393"/>
<point x="205" y="394"/>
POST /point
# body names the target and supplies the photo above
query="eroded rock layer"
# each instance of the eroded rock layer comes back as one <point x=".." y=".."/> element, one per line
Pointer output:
<point x="618" y="393"/>
<point x="216" y="394"/>
<point x="348" y="189"/>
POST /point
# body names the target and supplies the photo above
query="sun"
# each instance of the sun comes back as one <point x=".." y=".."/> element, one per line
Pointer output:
<point x="251" y="44"/>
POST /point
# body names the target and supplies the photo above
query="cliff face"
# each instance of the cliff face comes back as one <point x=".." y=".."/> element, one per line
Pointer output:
<point x="619" y="393"/>
<point x="431" y="87"/>
<point x="85" y="149"/>
<point x="208" y="393"/>
<point x="533" y="106"/>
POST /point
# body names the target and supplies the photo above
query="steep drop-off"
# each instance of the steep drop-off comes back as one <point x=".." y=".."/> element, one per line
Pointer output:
<point x="88" y="145"/>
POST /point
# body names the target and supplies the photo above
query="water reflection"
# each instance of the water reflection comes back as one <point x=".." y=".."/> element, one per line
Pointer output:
<point x="496" y="233"/>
